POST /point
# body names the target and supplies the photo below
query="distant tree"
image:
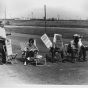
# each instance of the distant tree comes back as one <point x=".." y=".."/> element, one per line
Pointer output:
<point x="7" y="23"/>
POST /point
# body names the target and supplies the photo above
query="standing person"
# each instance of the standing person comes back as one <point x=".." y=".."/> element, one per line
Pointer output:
<point x="2" y="42"/>
<point x="31" y="50"/>
<point x="76" y="45"/>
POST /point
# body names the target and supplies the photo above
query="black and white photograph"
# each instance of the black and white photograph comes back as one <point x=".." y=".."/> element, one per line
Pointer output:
<point x="43" y="43"/>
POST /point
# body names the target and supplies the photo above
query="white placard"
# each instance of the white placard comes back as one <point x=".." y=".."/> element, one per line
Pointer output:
<point x="46" y="41"/>
<point x="9" y="47"/>
<point x="58" y="40"/>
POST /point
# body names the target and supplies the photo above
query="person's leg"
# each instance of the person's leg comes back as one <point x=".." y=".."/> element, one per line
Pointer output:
<point x="53" y="54"/>
<point x="72" y="54"/>
<point x="27" y="55"/>
<point x="35" y="53"/>
<point x="62" y="56"/>
<point x="3" y="57"/>
<point x="80" y="54"/>
<point x="31" y="54"/>
<point x="52" y="50"/>
<point x="3" y="52"/>
<point x="83" y="52"/>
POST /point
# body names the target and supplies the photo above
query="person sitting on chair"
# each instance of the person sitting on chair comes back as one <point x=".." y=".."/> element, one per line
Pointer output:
<point x="32" y="50"/>
<point x="76" y="46"/>
<point x="55" y="49"/>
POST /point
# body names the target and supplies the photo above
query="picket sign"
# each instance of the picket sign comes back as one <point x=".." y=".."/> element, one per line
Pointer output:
<point x="57" y="40"/>
<point x="8" y="47"/>
<point x="46" y="41"/>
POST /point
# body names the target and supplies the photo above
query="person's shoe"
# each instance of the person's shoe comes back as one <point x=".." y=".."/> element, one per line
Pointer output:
<point x="72" y="61"/>
<point x="1" y="63"/>
<point x="80" y="60"/>
<point x="63" y="61"/>
<point x="4" y="62"/>
<point x="85" y="59"/>
<point x="28" y="58"/>
<point x="25" y="63"/>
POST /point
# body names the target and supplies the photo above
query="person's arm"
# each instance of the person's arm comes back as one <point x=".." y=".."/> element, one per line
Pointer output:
<point x="34" y="47"/>
<point x="27" y="47"/>
<point x="80" y="42"/>
<point x="2" y="38"/>
<point x="70" y="45"/>
<point x="7" y="34"/>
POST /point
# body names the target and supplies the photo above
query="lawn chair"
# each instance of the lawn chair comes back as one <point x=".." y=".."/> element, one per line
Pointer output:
<point x="56" y="49"/>
<point x="58" y="46"/>
<point x="10" y="56"/>
<point x="23" y="46"/>
<point x="37" y="58"/>
<point x="68" y="55"/>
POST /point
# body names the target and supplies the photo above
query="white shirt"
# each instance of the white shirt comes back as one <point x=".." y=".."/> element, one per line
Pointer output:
<point x="31" y="48"/>
<point x="2" y="32"/>
<point x="74" y="46"/>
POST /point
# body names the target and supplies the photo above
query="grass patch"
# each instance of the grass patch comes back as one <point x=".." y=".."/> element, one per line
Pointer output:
<point x="66" y="32"/>
<point x="59" y="23"/>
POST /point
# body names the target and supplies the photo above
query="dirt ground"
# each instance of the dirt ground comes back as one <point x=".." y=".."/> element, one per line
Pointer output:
<point x="52" y="74"/>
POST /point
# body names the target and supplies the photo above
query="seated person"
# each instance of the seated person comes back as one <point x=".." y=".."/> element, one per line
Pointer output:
<point x="55" y="49"/>
<point x="76" y="46"/>
<point x="31" y="51"/>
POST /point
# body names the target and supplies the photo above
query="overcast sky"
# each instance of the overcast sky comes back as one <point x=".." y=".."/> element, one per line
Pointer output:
<point x="66" y="9"/>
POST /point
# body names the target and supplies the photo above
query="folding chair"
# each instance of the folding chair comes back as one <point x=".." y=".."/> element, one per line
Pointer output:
<point x="23" y="46"/>
<point x="37" y="58"/>
<point x="9" y="54"/>
<point x="57" y="46"/>
<point x="68" y="55"/>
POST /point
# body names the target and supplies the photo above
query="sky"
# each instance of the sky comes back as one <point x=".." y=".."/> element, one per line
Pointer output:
<point x="63" y="9"/>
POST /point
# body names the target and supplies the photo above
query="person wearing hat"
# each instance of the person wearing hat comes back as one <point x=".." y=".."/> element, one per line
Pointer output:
<point x="2" y="42"/>
<point x="76" y="45"/>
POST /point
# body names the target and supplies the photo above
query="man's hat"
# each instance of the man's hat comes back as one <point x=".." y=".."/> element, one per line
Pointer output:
<point x="76" y="36"/>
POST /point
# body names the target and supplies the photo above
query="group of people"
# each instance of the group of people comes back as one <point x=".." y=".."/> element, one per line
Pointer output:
<point x="75" y="45"/>
<point x="31" y="47"/>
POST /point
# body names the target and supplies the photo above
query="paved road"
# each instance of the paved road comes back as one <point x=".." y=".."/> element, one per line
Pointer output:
<point x="53" y="73"/>
<point x="12" y="26"/>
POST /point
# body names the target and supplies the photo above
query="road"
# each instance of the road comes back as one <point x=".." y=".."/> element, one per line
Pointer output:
<point x="52" y="74"/>
<point x="12" y="26"/>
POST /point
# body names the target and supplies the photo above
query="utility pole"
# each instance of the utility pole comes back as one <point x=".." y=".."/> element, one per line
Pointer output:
<point x="5" y="12"/>
<point x="45" y="16"/>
